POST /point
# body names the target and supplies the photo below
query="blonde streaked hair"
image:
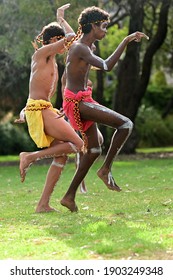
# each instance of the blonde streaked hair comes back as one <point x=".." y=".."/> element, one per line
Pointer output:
<point x="50" y="31"/>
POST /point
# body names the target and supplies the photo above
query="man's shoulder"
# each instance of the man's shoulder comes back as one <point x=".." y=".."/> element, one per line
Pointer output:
<point x="79" y="47"/>
<point x="41" y="57"/>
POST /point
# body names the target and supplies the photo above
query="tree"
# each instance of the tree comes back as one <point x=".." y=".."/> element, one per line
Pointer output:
<point x="133" y="76"/>
<point x="21" y="21"/>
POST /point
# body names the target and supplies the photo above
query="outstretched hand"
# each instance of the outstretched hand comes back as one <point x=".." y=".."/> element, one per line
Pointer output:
<point x="60" y="11"/>
<point x="21" y="117"/>
<point x="19" y="121"/>
<point x="137" y="36"/>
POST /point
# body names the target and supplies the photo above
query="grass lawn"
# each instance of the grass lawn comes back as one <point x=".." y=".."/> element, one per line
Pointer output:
<point x="136" y="223"/>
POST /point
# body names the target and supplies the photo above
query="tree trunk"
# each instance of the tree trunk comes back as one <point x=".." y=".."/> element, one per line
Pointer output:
<point x="131" y="84"/>
<point x="128" y="72"/>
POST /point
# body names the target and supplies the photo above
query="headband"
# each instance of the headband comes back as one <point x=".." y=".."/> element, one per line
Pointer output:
<point x="39" y="40"/>
<point x="98" y="21"/>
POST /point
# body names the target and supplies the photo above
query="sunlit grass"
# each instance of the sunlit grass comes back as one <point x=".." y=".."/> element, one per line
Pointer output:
<point x="133" y="224"/>
<point x="9" y="158"/>
<point x="155" y="150"/>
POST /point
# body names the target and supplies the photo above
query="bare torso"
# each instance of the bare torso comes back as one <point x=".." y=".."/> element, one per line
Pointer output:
<point x="43" y="77"/>
<point x="81" y="57"/>
<point x="79" y="61"/>
<point x="76" y="80"/>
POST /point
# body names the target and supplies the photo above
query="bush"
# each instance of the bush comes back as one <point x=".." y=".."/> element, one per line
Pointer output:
<point x="13" y="140"/>
<point x="158" y="97"/>
<point x="159" y="78"/>
<point x="153" y="131"/>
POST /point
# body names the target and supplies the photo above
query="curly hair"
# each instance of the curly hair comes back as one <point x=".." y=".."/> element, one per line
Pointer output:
<point x="91" y="15"/>
<point x="52" y="30"/>
<point x="87" y="17"/>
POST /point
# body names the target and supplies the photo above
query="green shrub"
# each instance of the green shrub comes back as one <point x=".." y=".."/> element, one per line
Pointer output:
<point x="158" y="97"/>
<point x="14" y="140"/>
<point x="169" y="123"/>
<point x="153" y="131"/>
<point x="159" y="78"/>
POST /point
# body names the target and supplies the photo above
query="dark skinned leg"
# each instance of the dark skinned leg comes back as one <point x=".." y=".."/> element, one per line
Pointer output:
<point x="85" y="163"/>
<point x="123" y="126"/>
<point x="83" y="188"/>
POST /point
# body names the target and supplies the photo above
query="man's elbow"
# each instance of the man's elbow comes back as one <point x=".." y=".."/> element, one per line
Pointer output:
<point x="107" y="67"/>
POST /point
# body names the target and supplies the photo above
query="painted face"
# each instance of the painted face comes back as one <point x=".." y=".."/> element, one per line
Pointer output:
<point x="103" y="26"/>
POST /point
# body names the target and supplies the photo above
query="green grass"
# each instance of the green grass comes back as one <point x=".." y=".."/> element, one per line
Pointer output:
<point x="155" y="150"/>
<point x="9" y="158"/>
<point x="133" y="224"/>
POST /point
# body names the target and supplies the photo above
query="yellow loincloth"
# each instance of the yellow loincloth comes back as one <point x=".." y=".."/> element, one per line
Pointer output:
<point x="33" y="112"/>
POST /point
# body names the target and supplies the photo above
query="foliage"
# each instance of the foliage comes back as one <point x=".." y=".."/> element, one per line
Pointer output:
<point x="107" y="46"/>
<point x="25" y="19"/>
<point x="164" y="57"/>
<point x="159" y="79"/>
<point x="152" y="130"/>
<point x="151" y="15"/>
<point x="14" y="140"/>
<point x="21" y="21"/>
<point x="113" y="37"/>
<point x="158" y="96"/>
<point x="133" y="224"/>
<point x="169" y="122"/>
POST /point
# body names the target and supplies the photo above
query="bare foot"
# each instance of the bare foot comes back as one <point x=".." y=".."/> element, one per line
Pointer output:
<point x="83" y="188"/>
<point x="70" y="204"/>
<point x="108" y="180"/>
<point x="24" y="165"/>
<point x="45" y="209"/>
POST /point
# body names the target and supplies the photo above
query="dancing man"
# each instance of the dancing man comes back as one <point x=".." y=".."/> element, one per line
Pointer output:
<point x="54" y="134"/>
<point x="82" y="111"/>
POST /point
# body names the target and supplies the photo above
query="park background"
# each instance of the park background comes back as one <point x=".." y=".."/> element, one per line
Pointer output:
<point x="140" y="86"/>
<point x="137" y="224"/>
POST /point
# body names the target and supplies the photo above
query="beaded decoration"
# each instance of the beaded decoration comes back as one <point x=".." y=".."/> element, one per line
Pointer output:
<point x="98" y="21"/>
<point x="78" y="121"/>
<point x="79" y="33"/>
<point x="39" y="39"/>
<point x="33" y="107"/>
<point x="75" y="38"/>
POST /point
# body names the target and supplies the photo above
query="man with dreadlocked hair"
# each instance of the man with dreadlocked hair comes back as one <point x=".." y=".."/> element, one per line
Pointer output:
<point x="83" y="112"/>
<point x="54" y="134"/>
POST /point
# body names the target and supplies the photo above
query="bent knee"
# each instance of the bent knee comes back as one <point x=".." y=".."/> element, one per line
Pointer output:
<point x="77" y="147"/>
